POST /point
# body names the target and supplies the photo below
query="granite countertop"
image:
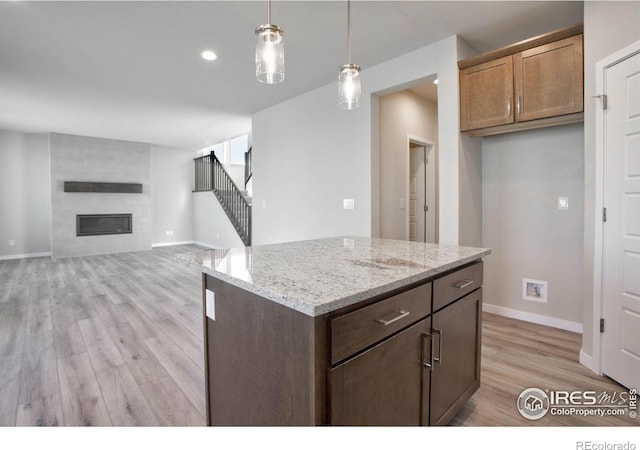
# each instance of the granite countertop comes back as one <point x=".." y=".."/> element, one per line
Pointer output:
<point x="318" y="276"/>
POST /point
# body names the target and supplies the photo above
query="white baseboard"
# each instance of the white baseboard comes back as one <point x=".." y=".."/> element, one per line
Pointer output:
<point x="25" y="255"/>
<point x="204" y="244"/>
<point x="588" y="362"/>
<point x="533" y="318"/>
<point x="168" y="244"/>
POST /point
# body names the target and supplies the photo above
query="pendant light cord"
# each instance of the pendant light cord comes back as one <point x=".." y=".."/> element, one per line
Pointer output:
<point x="269" y="12"/>
<point x="349" y="31"/>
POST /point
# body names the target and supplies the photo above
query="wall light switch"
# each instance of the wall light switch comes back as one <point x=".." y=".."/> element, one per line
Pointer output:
<point x="401" y="203"/>
<point x="264" y="204"/>
<point x="349" y="203"/>
<point x="563" y="203"/>
<point x="210" y="297"/>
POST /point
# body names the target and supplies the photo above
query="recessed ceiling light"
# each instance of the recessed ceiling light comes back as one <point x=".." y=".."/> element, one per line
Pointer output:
<point x="435" y="81"/>
<point x="209" y="55"/>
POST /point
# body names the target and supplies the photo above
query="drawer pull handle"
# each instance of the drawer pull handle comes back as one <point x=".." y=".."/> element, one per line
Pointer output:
<point x="439" y="333"/>
<point x="463" y="284"/>
<point x="401" y="315"/>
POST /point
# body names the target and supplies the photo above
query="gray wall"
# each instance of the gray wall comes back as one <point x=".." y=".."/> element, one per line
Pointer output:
<point x="77" y="158"/>
<point x="401" y="113"/>
<point x="523" y="175"/>
<point x="25" y="214"/>
<point x="608" y="27"/>
<point x="171" y="197"/>
<point x="211" y="226"/>
<point x="309" y="155"/>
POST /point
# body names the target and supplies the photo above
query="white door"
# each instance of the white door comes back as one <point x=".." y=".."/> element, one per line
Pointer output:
<point x="417" y="195"/>
<point x="621" y="259"/>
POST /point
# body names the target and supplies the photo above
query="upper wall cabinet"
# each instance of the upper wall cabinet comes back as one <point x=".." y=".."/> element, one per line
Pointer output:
<point x="532" y="84"/>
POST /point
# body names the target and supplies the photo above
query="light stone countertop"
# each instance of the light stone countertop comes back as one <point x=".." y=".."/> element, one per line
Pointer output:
<point x="318" y="276"/>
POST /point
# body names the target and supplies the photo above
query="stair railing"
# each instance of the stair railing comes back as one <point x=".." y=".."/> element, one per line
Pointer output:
<point x="230" y="197"/>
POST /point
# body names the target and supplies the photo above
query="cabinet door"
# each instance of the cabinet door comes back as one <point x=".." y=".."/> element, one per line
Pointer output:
<point x="548" y="80"/>
<point x="486" y="94"/>
<point x="386" y="385"/>
<point x="456" y="373"/>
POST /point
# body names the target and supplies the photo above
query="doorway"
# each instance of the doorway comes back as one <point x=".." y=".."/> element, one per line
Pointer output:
<point x="421" y="192"/>
<point x="618" y="124"/>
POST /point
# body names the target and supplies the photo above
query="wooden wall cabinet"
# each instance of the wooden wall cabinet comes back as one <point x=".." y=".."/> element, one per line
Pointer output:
<point x="532" y="84"/>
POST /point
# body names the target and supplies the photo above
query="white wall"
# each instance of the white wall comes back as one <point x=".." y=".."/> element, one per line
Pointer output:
<point x="608" y="27"/>
<point x="523" y="175"/>
<point x="401" y="113"/>
<point x="211" y="226"/>
<point x="171" y="199"/>
<point x="309" y="155"/>
<point x="25" y="213"/>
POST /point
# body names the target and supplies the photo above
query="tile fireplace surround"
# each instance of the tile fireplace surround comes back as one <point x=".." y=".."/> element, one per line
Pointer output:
<point x="97" y="160"/>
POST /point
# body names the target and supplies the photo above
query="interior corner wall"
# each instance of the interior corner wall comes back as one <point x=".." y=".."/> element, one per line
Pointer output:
<point x="609" y="26"/>
<point x="524" y="173"/>
<point x="25" y="213"/>
<point x="401" y="113"/>
<point x="308" y="155"/>
<point x="171" y="197"/>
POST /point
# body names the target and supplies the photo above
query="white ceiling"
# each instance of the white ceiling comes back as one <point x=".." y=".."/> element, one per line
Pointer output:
<point x="132" y="70"/>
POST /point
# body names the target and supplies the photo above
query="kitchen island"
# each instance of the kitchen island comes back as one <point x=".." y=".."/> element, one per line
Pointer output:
<point x="340" y="331"/>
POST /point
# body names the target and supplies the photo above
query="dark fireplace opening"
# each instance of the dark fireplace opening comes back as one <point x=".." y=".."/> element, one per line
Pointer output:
<point x="98" y="224"/>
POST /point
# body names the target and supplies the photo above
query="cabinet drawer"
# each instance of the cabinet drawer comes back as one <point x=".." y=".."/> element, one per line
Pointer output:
<point x="363" y="327"/>
<point x="455" y="285"/>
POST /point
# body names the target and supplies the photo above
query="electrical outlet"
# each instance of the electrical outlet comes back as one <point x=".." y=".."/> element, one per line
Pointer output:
<point x="12" y="242"/>
<point x="210" y="298"/>
<point x="563" y="203"/>
<point x="169" y="232"/>
<point x="349" y="203"/>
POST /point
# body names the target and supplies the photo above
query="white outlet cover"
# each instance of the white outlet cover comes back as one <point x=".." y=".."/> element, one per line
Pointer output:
<point x="210" y="298"/>
<point x="563" y="203"/>
<point x="12" y="243"/>
<point x="349" y="203"/>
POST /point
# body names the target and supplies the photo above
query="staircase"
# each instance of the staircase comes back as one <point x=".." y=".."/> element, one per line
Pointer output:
<point x="210" y="175"/>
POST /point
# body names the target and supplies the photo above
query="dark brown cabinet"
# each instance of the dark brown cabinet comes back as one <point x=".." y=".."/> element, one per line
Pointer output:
<point x="532" y="84"/>
<point x="423" y="374"/>
<point x="410" y="357"/>
<point x="456" y="371"/>
<point x="386" y="385"/>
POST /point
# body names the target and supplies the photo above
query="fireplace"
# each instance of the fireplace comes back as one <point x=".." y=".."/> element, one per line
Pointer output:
<point x="99" y="224"/>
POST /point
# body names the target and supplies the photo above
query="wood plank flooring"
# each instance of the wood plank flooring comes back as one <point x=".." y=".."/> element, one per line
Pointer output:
<point x="116" y="340"/>
<point x="101" y="340"/>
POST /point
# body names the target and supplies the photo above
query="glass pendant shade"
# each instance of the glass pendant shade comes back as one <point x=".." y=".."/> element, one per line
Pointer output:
<point x="349" y="89"/>
<point x="270" y="54"/>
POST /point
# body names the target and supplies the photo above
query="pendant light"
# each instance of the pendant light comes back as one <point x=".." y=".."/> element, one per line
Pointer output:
<point x="270" y="51"/>
<point x="349" y="88"/>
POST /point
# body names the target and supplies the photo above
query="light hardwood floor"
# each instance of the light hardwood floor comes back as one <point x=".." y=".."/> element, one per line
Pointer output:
<point x="117" y="340"/>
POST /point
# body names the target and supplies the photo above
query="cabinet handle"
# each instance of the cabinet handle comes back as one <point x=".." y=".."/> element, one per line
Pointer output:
<point x="463" y="284"/>
<point x="439" y="333"/>
<point x="509" y="107"/>
<point x="518" y="105"/>
<point x="401" y="315"/>
<point x="428" y="365"/>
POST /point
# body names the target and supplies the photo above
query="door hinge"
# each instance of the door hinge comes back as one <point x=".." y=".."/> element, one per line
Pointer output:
<point x="601" y="325"/>
<point x="426" y="208"/>
<point x="604" y="214"/>
<point x="602" y="97"/>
